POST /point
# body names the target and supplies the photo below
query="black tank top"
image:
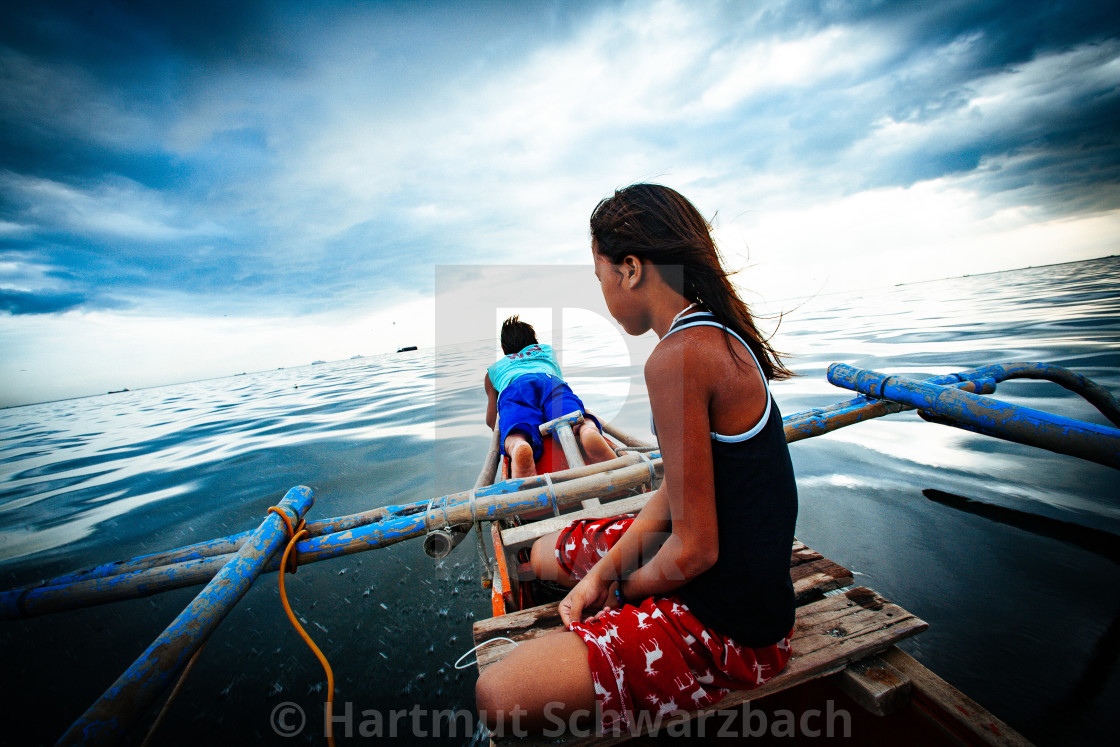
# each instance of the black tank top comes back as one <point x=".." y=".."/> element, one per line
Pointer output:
<point x="748" y="594"/>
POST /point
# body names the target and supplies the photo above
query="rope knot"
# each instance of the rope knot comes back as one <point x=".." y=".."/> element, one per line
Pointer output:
<point x="291" y="554"/>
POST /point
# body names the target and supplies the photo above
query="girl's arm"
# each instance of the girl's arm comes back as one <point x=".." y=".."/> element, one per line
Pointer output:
<point x="679" y="385"/>
<point x="680" y="381"/>
<point x="641" y="538"/>
<point x="491" y="401"/>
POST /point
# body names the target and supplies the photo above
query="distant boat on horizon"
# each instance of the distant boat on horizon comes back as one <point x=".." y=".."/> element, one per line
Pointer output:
<point x="317" y="363"/>
<point x="406" y="349"/>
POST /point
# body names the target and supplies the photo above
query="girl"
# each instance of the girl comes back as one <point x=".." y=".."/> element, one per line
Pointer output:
<point x="692" y="597"/>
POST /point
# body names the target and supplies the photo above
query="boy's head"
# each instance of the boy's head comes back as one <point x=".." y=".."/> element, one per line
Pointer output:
<point x="517" y="335"/>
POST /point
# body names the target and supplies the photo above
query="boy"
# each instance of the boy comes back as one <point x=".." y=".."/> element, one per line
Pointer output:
<point x="525" y="389"/>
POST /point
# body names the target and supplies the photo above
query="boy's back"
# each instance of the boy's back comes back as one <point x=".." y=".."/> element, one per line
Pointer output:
<point x="525" y="388"/>
<point x="535" y="358"/>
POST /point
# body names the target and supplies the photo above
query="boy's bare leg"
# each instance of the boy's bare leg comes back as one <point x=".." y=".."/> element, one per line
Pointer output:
<point x="595" y="447"/>
<point x="520" y="452"/>
<point x="542" y="559"/>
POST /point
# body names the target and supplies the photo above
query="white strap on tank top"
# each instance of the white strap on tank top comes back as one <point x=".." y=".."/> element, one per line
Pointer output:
<point x="757" y="427"/>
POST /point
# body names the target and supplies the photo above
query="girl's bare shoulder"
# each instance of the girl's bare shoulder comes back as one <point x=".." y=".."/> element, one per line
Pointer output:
<point x="696" y="351"/>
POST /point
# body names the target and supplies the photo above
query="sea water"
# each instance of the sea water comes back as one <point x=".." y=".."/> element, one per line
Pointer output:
<point x="1025" y="624"/>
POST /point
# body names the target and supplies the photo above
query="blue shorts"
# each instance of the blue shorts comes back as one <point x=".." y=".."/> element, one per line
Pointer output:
<point x="531" y="400"/>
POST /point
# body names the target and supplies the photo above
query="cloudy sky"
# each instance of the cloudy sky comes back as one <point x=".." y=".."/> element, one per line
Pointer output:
<point x="198" y="189"/>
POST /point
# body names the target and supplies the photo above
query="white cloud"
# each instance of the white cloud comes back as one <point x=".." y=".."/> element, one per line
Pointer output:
<point x="116" y="207"/>
<point x="881" y="237"/>
<point x="743" y="71"/>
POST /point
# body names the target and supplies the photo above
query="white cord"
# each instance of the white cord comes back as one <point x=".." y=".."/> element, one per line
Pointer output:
<point x="649" y="463"/>
<point x="427" y="511"/>
<point x="482" y="554"/>
<point x="551" y="495"/>
<point x="476" y="648"/>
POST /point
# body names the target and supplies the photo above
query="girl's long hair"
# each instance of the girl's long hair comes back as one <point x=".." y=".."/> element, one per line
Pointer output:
<point x="658" y="224"/>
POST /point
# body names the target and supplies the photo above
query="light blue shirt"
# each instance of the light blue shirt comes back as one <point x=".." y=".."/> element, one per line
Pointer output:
<point x="532" y="359"/>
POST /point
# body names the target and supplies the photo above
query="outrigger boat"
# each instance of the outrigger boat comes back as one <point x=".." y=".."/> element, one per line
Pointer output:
<point x="844" y="645"/>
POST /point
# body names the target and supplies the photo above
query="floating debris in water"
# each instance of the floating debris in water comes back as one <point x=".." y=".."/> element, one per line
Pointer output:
<point x="383" y="605"/>
<point x="343" y="571"/>
<point x="366" y="592"/>
<point x="317" y="687"/>
<point x="277" y="688"/>
<point x="383" y="656"/>
<point x="320" y="627"/>
<point x="443" y="612"/>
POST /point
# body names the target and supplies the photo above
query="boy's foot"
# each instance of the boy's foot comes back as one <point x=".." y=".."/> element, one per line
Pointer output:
<point x="595" y="447"/>
<point x="521" y="460"/>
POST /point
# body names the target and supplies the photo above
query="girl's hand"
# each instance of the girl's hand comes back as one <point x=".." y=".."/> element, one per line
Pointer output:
<point x="612" y="599"/>
<point x="590" y="593"/>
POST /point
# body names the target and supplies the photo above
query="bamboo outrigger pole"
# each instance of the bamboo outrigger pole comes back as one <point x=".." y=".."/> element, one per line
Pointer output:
<point x="140" y="685"/>
<point x="201" y="552"/>
<point x="450" y="510"/>
<point x="981" y="380"/>
<point x="988" y="416"/>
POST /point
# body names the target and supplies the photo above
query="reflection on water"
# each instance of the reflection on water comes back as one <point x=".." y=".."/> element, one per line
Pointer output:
<point x="97" y="479"/>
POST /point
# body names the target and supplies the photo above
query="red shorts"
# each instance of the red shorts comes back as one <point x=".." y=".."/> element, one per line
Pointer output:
<point x="654" y="659"/>
<point x="583" y="542"/>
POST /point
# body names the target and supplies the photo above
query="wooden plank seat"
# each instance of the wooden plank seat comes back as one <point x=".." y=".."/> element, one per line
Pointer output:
<point x="515" y="538"/>
<point x="829" y="634"/>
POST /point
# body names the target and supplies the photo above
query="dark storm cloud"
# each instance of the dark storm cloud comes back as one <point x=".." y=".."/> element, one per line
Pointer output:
<point x="22" y="302"/>
<point x="255" y="157"/>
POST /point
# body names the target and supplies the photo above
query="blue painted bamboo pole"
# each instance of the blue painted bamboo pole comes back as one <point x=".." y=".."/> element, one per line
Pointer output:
<point x="196" y="551"/>
<point x="811" y="423"/>
<point x="858" y="409"/>
<point x="992" y="417"/>
<point x="202" y="554"/>
<point x="140" y="685"/>
<point x="491" y="504"/>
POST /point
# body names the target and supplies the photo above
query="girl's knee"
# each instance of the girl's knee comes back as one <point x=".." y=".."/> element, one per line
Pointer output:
<point x="486" y="698"/>
<point x="542" y="557"/>
<point x="492" y="699"/>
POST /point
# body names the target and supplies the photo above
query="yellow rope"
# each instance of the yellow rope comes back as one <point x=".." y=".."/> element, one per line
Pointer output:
<point x="301" y="532"/>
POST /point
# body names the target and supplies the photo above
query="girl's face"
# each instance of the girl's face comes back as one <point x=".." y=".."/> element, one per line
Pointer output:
<point x="620" y="299"/>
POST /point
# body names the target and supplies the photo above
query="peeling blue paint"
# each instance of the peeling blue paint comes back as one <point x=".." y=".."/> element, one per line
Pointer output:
<point x="986" y="415"/>
<point x="141" y="684"/>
